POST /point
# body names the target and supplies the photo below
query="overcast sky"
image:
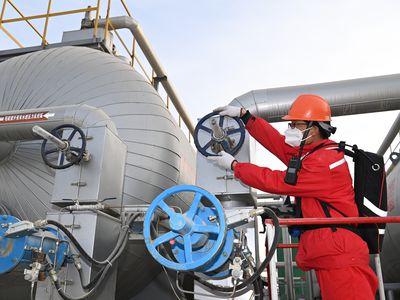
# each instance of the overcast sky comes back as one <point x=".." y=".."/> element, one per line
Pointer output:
<point x="216" y="50"/>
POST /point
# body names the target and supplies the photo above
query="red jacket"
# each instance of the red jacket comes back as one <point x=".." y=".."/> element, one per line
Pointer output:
<point x="324" y="175"/>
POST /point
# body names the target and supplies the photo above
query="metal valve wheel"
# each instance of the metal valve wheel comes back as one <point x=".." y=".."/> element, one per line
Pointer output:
<point x="215" y="133"/>
<point x="196" y="237"/>
<point x="71" y="154"/>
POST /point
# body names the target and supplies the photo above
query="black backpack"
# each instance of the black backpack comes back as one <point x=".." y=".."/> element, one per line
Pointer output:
<point x="370" y="195"/>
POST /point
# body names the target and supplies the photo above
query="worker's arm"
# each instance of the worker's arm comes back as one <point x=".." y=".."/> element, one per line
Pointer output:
<point x="313" y="179"/>
<point x="269" y="137"/>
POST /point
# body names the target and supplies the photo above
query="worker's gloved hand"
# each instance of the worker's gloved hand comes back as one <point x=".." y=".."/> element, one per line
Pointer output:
<point x="228" y="110"/>
<point x="223" y="160"/>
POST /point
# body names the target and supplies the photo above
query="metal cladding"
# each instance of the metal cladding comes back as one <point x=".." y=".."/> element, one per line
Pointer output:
<point x="347" y="97"/>
<point x="391" y="243"/>
<point x="159" y="155"/>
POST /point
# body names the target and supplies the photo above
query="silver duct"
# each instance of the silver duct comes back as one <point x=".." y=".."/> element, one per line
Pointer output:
<point x="347" y="97"/>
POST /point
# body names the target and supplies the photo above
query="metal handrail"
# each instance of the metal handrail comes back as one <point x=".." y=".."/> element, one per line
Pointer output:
<point x="27" y="21"/>
<point x="334" y="221"/>
<point x="55" y="14"/>
<point x="338" y="221"/>
<point x="46" y="23"/>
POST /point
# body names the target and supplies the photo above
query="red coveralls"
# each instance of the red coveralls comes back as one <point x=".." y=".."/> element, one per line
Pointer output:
<point x="340" y="258"/>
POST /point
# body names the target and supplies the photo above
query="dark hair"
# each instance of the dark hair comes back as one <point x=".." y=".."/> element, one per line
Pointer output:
<point x="325" y="129"/>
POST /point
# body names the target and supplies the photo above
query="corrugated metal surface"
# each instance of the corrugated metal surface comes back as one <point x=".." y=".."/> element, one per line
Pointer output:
<point x="391" y="244"/>
<point x="158" y="152"/>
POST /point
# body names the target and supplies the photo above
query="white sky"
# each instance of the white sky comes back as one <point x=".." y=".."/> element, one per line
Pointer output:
<point x="216" y="50"/>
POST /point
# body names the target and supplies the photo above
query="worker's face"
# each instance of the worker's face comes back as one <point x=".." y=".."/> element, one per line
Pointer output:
<point x="302" y="126"/>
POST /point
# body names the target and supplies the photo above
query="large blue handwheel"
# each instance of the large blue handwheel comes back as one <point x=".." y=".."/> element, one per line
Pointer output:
<point x="200" y="231"/>
<point x="11" y="249"/>
<point x="210" y="141"/>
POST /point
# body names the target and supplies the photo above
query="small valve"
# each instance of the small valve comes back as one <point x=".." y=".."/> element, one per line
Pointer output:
<point x="32" y="274"/>
<point x="236" y="268"/>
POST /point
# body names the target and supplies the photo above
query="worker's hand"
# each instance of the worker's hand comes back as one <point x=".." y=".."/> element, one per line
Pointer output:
<point x="230" y="111"/>
<point x="223" y="160"/>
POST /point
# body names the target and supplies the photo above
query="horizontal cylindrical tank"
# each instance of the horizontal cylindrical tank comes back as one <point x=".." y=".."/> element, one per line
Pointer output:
<point x="159" y="155"/>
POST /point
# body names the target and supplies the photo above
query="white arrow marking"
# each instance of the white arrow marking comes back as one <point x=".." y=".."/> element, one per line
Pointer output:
<point x="48" y="115"/>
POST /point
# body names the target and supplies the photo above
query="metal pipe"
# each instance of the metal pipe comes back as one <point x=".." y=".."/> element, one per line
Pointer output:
<point x="393" y="131"/>
<point x="390" y="295"/>
<point x="348" y="97"/>
<point x="133" y="26"/>
<point x="62" y="145"/>
<point x="347" y="220"/>
<point x="281" y="264"/>
<point x="378" y="268"/>
<point x="273" y="271"/>
<point x="17" y="125"/>
<point x="310" y="285"/>
<point x="287" y="253"/>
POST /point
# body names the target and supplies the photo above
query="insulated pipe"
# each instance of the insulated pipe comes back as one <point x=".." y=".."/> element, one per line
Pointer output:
<point x="131" y="24"/>
<point x="393" y="131"/>
<point x="347" y="97"/>
<point x="17" y="125"/>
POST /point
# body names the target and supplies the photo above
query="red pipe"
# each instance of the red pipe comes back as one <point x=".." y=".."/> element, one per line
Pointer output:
<point x="349" y="220"/>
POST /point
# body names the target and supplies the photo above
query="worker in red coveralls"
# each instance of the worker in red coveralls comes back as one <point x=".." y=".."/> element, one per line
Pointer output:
<point x="323" y="182"/>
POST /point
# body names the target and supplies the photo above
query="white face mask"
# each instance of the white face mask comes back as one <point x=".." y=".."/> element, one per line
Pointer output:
<point x="294" y="136"/>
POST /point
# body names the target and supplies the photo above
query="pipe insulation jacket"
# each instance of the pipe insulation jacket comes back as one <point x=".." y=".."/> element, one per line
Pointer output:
<point x="347" y="97"/>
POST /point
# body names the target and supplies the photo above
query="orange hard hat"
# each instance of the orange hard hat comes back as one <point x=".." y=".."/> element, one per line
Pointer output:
<point x="309" y="108"/>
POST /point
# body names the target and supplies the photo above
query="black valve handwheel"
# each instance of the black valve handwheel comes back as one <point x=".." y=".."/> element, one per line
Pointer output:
<point x="231" y="141"/>
<point x="69" y="156"/>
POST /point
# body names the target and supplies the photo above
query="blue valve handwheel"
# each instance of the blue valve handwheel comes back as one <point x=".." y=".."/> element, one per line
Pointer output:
<point x="232" y="127"/>
<point x="201" y="237"/>
<point x="11" y="249"/>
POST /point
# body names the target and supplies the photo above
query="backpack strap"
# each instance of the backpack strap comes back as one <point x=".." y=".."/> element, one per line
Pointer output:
<point x="317" y="148"/>
<point x="341" y="146"/>
<point x="325" y="207"/>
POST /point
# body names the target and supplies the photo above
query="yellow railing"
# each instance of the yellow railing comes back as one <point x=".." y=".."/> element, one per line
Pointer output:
<point x="42" y="35"/>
